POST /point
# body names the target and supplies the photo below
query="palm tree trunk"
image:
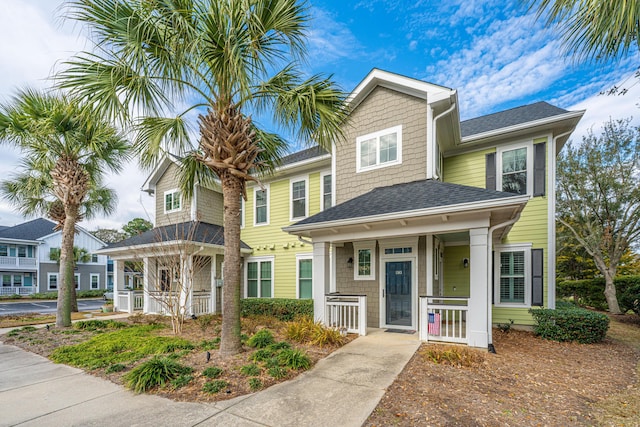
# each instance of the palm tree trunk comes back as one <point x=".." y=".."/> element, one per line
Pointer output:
<point x="66" y="286"/>
<point x="232" y="191"/>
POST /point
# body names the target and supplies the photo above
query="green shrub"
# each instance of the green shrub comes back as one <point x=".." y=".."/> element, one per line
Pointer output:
<point x="45" y="295"/>
<point x="294" y="359"/>
<point x="93" y="293"/>
<point x="116" y="367"/>
<point x="277" y="372"/>
<point x="261" y="339"/>
<point x="255" y="384"/>
<point x="181" y="381"/>
<point x="281" y="308"/>
<point x="262" y="355"/>
<point x="250" y="370"/>
<point x="212" y="372"/>
<point x="93" y="325"/>
<point x="590" y="292"/>
<point x="271" y="362"/>
<point x="570" y="324"/>
<point x="279" y="346"/>
<point x="154" y="372"/>
<point x="214" y="386"/>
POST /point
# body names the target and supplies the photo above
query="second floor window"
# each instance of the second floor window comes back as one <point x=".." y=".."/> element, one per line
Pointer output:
<point x="172" y="201"/>
<point x="379" y="149"/>
<point x="94" y="258"/>
<point x="298" y="199"/>
<point x="261" y="206"/>
<point x="514" y="171"/>
<point x="326" y="192"/>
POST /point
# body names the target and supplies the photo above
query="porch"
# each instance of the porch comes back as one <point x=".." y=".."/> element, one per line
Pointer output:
<point x="17" y="290"/>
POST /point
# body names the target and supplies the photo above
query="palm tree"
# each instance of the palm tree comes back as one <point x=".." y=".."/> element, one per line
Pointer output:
<point x="79" y="255"/>
<point x="225" y="59"/>
<point x="594" y="29"/>
<point x="66" y="150"/>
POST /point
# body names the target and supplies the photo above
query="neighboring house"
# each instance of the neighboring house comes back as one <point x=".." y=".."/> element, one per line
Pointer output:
<point x="26" y="266"/>
<point x="416" y="222"/>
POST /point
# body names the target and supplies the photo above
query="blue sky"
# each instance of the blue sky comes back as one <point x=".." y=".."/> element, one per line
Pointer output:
<point x="492" y="51"/>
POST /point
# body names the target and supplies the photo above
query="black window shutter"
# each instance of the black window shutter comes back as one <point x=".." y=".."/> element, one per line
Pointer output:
<point x="537" y="281"/>
<point x="491" y="171"/>
<point x="539" y="169"/>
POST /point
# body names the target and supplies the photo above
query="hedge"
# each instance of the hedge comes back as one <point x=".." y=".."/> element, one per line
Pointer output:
<point x="281" y="308"/>
<point x="590" y="292"/>
<point x="54" y="295"/>
<point x="570" y="324"/>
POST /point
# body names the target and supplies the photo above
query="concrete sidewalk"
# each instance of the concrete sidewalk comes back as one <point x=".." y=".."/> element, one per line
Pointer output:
<point x="342" y="390"/>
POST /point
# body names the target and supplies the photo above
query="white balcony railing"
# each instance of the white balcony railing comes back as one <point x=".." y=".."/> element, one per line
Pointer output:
<point x="444" y="319"/>
<point x="346" y="312"/>
<point x="202" y="303"/>
<point x="13" y="261"/>
<point x="17" y="290"/>
<point x="129" y="301"/>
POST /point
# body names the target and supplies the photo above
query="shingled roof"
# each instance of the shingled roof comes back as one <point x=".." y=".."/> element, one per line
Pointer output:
<point x="511" y="117"/>
<point x="416" y="195"/>
<point x="203" y="233"/>
<point x="302" y="155"/>
<point x="30" y="230"/>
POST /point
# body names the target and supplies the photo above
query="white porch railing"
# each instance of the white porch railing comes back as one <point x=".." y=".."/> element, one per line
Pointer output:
<point x="202" y="303"/>
<point x="346" y="312"/>
<point x="14" y="261"/>
<point x="17" y="290"/>
<point x="129" y="301"/>
<point x="444" y="319"/>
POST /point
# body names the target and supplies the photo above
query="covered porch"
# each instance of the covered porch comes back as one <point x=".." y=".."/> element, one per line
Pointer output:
<point x="427" y="270"/>
<point x="181" y="270"/>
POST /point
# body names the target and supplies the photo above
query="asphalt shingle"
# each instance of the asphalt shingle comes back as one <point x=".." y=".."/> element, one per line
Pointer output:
<point x="30" y="230"/>
<point x="511" y="117"/>
<point x="302" y="155"/>
<point x="416" y="195"/>
<point x="203" y="233"/>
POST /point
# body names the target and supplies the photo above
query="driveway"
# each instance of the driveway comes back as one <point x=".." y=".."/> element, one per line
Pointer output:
<point x="44" y="307"/>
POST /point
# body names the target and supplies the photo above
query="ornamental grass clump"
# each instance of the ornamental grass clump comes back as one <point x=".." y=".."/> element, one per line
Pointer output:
<point x="461" y="357"/>
<point x="261" y="339"/>
<point x="153" y="373"/>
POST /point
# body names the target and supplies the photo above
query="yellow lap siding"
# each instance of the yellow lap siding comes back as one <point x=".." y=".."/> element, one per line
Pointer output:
<point x="467" y="169"/>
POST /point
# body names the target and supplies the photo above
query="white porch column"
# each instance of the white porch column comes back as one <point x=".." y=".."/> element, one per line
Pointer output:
<point x="146" y="284"/>
<point x="118" y="281"/>
<point x="321" y="278"/>
<point x="186" y="280"/>
<point x="429" y="290"/>
<point x="212" y="286"/>
<point x="477" y="315"/>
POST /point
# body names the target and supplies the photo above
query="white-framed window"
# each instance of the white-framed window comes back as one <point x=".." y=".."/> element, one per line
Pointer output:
<point x="94" y="258"/>
<point x="95" y="281"/>
<point x="326" y="192"/>
<point x="52" y="281"/>
<point x="76" y="280"/>
<point x="4" y="250"/>
<point x="379" y="149"/>
<point x="6" y="280"/>
<point x="259" y="277"/>
<point x="364" y="260"/>
<point x="513" y="276"/>
<point x="304" y="276"/>
<point x="172" y="201"/>
<point x="298" y="188"/>
<point x="261" y="206"/>
<point x="515" y="169"/>
<point x="17" y="280"/>
<point x="164" y="279"/>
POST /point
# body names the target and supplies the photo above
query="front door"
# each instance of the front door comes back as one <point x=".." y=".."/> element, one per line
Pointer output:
<point x="397" y="293"/>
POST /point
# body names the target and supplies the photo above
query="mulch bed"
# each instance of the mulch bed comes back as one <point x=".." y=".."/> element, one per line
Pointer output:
<point x="529" y="382"/>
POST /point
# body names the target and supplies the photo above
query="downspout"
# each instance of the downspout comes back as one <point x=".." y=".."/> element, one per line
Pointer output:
<point x="433" y="137"/>
<point x="308" y="242"/>
<point x="490" y="347"/>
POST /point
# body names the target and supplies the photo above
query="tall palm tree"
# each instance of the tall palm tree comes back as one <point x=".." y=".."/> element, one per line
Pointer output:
<point x="66" y="150"/>
<point x="594" y="29"/>
<point x="226" y="60"/>
<point x="79" y="255"/>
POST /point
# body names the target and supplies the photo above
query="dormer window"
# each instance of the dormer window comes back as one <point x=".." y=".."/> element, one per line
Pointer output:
<point x="172" y="201"/>
<point x="379" y="149"/>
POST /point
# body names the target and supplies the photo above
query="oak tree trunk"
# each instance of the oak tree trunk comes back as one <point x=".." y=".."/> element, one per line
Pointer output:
<point x="232" y="191"/>
<point x="610" y="293"/>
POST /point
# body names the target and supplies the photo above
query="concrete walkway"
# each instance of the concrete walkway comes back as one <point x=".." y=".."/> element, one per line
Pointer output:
<point x="341" y="389"/>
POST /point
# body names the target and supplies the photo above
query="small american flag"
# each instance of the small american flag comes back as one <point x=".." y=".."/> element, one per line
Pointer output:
<point x="434" y="324"/>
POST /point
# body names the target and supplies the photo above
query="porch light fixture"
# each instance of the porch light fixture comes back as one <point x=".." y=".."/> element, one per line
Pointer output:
<point x="465" y="262"/>
<point x="350" y="263"/>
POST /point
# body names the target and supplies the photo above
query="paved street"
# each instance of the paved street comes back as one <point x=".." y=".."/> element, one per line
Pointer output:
<point x="44" y="307"/>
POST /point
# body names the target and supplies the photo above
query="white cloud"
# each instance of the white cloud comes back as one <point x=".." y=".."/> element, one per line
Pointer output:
<point x="413" y="44"/>
<point x="329" y="40"/>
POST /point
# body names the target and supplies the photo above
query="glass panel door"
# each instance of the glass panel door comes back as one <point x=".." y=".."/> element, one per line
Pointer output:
<point x="398" y="293"/>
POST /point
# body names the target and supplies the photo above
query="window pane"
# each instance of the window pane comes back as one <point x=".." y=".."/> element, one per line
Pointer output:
<point x="368" y="153"/>
<point x="299" y="208"/>
<point x="512" y="280"/>
<point x="364" y="262"/>
<point x="4" y="250"/>
<point x="514" y="171"/>
<point x="252" y="270"/>
<point x="305" y="269"/>
<point x="6" y="280"/>
<point x="12" y="251"/>
<point x="53" y="281"/>
<point x="388" y="148"/>
<point x="265" y="279"/>
<point x="168" y="202"/>
<point x="326" y="191"/>
<point x="261" y="206"/>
